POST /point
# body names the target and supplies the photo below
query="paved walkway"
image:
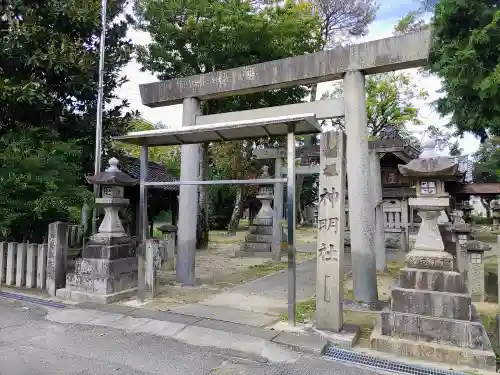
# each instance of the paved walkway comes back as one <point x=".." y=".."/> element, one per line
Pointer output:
<point x="41" y="341"/>
<point x="260" y="301"/>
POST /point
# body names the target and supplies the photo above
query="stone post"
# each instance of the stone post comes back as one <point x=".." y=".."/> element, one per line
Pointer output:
<point x="21" y="264"/>
<point x="153" y="264"/>
<point x="331" y="227"/>
<point x="278" y="211"/>
<point x="378" y="210"/>
<point x="31" y="265"/>
<point x="475" y="274"/>
<point x="41" y="268"/>
<point x="10" y="277"/>
<point x="170" y="240"/>
<point x="188" y="200"/>
<point x="361" y="216"/>
<point x="57" y="254"/>
<point x="460" y="232"/>
<point x="3" y="261"/>
<point x="495" y="213"/>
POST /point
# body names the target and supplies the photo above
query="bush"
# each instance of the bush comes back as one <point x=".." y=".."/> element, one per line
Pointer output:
<point x="221" y="206"/>
<point x="481" y="220"/>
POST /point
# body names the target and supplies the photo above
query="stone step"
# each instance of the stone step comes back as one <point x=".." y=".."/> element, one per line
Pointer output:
<point x="264" y="238"/>
<point x="460" y="333"/>
<point x="437" y="280"/>
<point x="260" y="229"/>
<point x="433" y="352"/>
<point x="253" y="247"/>
<point x="263" y="221"/>
<point x="431" y="303"/>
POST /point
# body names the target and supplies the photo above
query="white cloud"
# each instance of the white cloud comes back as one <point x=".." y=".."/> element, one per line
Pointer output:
<point x="172" y="115"/>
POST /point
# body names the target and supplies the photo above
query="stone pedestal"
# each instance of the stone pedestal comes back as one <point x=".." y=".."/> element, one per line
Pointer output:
<point x="107" y="271"/>
<point x="259" y="240"/>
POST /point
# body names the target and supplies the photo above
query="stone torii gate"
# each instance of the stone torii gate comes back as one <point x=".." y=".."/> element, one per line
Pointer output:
<point x="351" y="64"/>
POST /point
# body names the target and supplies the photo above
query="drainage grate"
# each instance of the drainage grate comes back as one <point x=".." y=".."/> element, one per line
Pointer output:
<point x="37" y="301"/>
<point x="339" y="354"/>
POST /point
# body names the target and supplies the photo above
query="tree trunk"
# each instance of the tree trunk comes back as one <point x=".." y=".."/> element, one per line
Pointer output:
<point x="202" y="221"/>
<point x="299" y="183"/>
<point x="237" y="210"/>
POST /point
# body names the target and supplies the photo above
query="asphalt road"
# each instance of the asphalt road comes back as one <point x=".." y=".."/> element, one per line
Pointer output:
<point x="31" y="345"/>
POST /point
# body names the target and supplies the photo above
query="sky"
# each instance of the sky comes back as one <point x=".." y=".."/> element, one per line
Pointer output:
<point x="388" y="15"/>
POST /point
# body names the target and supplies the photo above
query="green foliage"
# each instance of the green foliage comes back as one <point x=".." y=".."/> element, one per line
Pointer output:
<point x="200" y="36"/>
<point x="39" y="184"/>
<point x="465" y="54"/>
<point x="390" y="101"/>
<point x="49" y="53"/>
<point x="455" y="149"/>
<point x="487" y="161"/>
<point x="168" y="156"/>
<point x="481" y="220"/>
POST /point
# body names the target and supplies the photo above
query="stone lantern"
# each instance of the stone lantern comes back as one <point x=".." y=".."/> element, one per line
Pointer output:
<point x="430" y="316"/>
<point x="260" y="238"/>
<point x="113" y="182"/>
<point x="495" y="213"/>
<point x="108" y="269"/>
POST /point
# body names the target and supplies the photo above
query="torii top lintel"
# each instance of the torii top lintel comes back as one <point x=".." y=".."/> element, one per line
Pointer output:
<point x="378" y="56"/>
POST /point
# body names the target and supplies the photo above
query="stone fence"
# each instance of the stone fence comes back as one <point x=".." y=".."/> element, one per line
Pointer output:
<point x="41" y="266"/>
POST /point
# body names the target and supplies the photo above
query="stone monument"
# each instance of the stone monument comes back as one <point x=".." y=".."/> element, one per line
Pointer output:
<point x="430" y="315"/>
<point x="108" y="269"/>
<point x="259" y="240"/>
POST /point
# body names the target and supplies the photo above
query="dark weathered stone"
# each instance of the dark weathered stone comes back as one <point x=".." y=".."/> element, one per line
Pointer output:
<point x="436" y="280"/>
<point x="259" y="238"/>
<point x="109" y="252"/>
<point x="430" y="303"/>
<point x="260" y="230"/>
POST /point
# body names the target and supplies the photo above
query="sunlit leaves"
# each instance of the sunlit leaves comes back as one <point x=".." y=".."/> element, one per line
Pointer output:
<point x="466" y="56"/>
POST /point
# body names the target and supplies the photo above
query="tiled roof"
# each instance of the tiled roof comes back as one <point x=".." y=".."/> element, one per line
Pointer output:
<point x="486" y="188"/>
<point x="156" y="172"/>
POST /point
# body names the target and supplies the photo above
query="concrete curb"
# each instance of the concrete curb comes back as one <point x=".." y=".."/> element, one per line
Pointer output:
<point x="304" y="342"/>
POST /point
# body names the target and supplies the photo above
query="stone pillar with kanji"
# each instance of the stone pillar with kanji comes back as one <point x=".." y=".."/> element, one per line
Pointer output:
<point x="107" y="271"/>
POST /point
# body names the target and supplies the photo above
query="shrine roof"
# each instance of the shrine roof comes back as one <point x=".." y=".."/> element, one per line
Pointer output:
<point x="476" y="188"/>
<point x="156" y="171"/>
<point x="225" y="131"/>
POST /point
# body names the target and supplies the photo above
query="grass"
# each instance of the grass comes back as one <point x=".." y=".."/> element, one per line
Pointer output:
<point x="266" y="268"/>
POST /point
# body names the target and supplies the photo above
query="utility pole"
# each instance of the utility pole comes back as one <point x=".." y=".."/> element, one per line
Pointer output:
<point x="100" y="99"/>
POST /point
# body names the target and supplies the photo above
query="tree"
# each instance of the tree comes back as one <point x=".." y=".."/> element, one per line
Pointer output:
<point x="201" y="36"/>
<point x="168" y="156"/>
<point x="487" y="166"/>
<point x="465" y="55"/>
<point x="390" y="101"/>
<point x="39" y="184"/>
<point x="455" y="149"/>
<point x="49" y="53"/>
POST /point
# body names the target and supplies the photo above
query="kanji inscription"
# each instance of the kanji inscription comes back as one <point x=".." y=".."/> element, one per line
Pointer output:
<point x="330" y="237"/>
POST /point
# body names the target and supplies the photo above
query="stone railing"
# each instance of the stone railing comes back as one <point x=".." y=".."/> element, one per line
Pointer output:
<point x="41" y="266"/>
<point x="23" y="265"/>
